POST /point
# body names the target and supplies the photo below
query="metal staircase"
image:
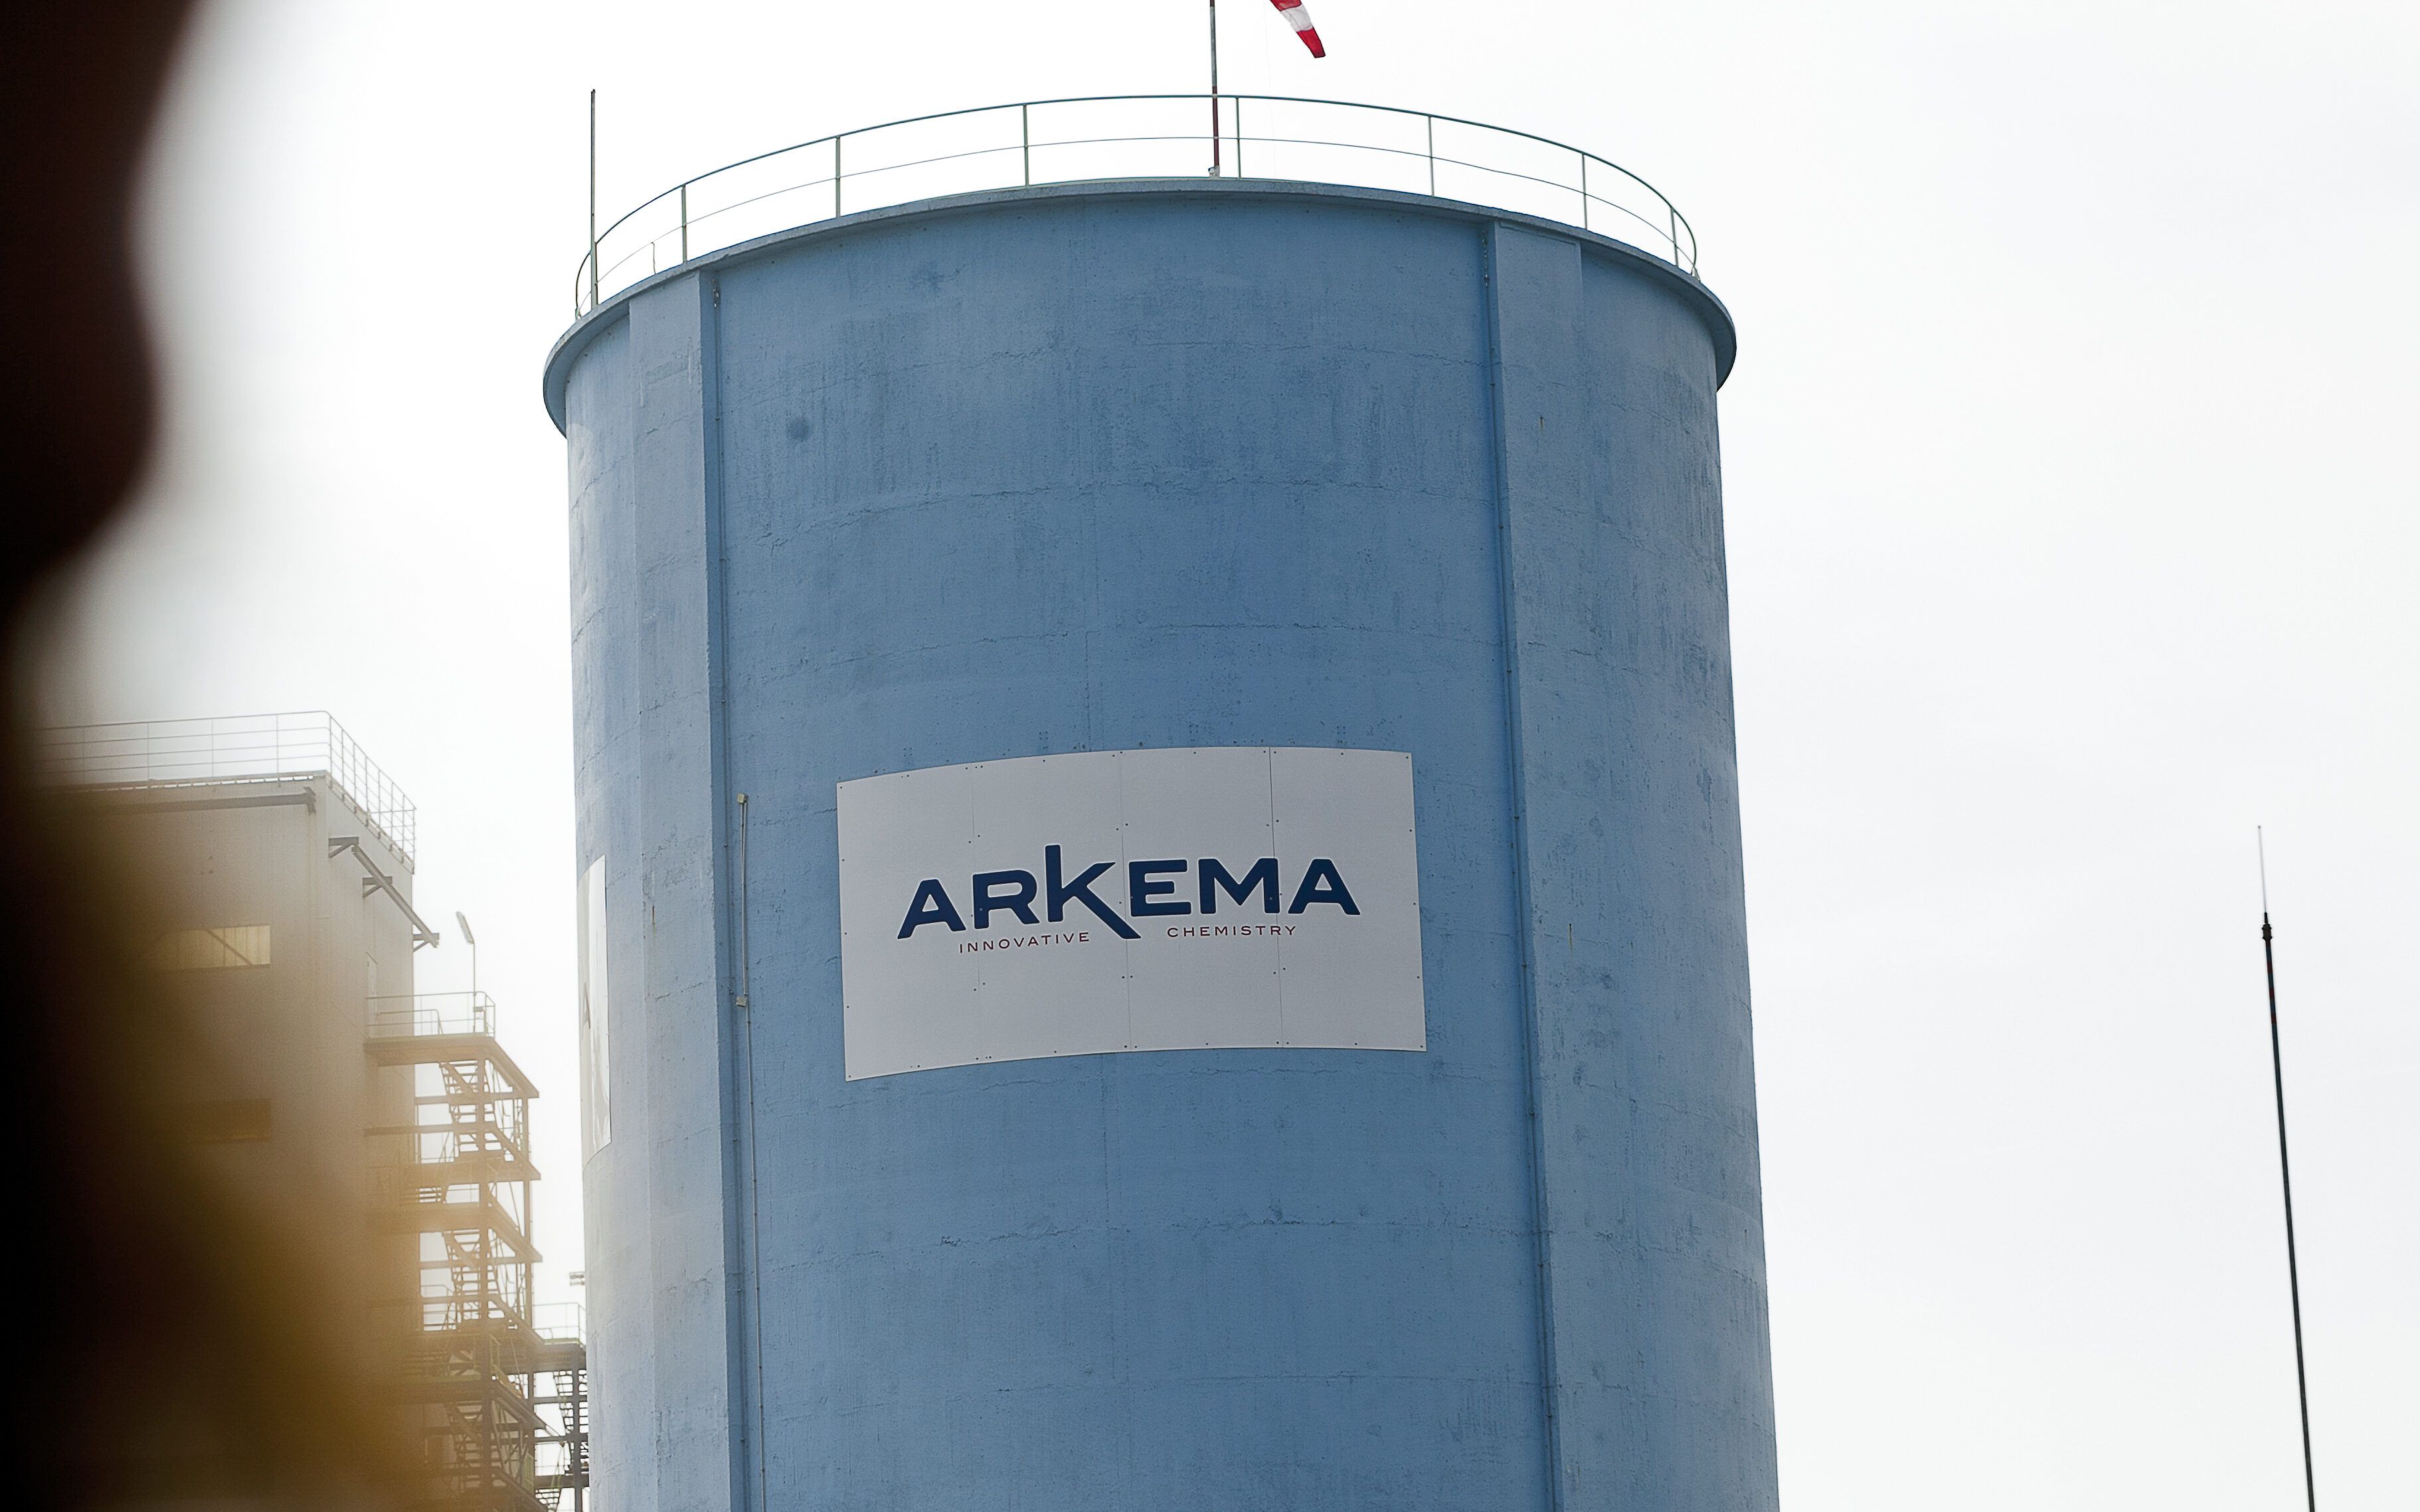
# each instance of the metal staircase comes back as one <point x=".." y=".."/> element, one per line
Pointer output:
<point x="458" y="1186"/>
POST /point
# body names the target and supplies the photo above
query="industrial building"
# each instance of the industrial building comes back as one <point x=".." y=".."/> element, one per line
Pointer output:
<point x="1157" y="798"/>
<point x="388" y="1127"/>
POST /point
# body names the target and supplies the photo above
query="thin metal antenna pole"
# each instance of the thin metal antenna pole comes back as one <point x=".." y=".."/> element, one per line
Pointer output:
<point x="1214" y="88"/>
<point x="2286" y="1175"/>
<point x="592" y="199"/>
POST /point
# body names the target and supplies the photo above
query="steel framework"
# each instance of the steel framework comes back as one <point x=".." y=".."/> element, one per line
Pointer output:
<point x="459" y="1183"/>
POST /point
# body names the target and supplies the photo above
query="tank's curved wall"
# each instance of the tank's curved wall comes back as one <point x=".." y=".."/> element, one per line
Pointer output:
<point x="1157" y="466"/>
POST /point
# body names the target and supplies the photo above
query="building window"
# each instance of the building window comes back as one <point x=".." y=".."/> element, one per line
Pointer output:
<point x="208" y="949"/>
<point x="242" y="1122"/>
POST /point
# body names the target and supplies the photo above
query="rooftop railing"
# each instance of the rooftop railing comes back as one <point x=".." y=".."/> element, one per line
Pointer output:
<point x="249" y="747"/>
<point x="1100" y="137"/>
<point x="398" y="1014"/>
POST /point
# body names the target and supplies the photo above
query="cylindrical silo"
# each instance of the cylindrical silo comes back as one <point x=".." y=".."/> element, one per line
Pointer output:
<point x="1292" y="524"/>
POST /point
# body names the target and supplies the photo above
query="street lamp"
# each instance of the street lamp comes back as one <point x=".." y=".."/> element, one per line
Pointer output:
<point x="472" y="941"/>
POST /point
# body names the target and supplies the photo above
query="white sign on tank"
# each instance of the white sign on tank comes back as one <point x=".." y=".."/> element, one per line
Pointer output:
<point x="1208" y="898"/>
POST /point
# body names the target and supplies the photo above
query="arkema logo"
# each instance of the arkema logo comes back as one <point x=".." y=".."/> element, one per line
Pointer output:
<point x="1201" y="897"/>
<point x="1153" y="891"/>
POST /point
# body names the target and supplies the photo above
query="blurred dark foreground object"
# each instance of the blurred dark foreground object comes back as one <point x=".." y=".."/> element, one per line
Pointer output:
<point x="175" y="1344"/>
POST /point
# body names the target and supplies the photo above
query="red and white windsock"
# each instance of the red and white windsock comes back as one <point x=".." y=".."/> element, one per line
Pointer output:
<point x="1299" y="20"/>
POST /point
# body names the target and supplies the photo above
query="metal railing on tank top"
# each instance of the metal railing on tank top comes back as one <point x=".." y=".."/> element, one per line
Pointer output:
<point x="1099" y="138"/>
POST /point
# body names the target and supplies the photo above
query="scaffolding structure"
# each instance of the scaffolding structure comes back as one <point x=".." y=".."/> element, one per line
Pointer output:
<point x="494" y="1396"/>
<point x="561" y="1398"/>
<point x="457" y="1183"/>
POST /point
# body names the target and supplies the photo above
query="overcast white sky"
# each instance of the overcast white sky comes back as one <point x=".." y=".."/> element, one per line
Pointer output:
<point x="2070" y="461"/>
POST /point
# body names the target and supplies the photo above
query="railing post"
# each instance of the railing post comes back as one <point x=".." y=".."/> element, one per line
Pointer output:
<point x="1431" y="120"/>
<point x="1025" y="133"/>
<point x="684" y="223"/>
<point x="835" y="177"/>
<point x="1239" y="136"/>
<point x="1675" y="224"/>
<point x="1584" y="193"/>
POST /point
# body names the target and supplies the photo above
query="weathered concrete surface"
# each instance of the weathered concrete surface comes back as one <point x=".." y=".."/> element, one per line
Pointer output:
<point x="1156" y="465"/>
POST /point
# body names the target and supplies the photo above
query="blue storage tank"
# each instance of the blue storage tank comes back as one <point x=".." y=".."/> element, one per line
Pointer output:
<point x="1124" y="467"/>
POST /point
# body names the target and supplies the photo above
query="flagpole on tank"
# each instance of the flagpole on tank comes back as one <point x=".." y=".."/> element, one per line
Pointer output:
<point x="592" y="200"/>
<point x="2286" y="1176"/>
<point x="1214" y="88"/>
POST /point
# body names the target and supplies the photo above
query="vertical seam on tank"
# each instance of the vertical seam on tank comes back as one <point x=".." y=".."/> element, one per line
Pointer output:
<point x="739" y="1309"/>
<point x="1516" y="789"/>
<point x="633" y="771"/>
